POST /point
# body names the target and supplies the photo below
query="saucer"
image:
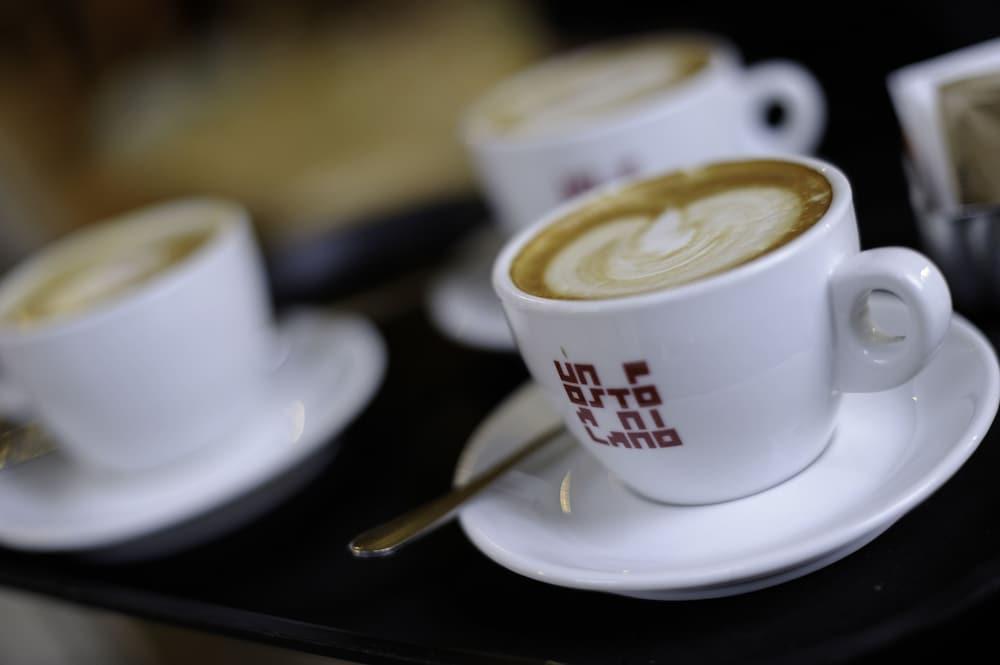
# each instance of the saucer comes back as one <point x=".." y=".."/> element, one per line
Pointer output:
<point x="561" y="518"/>
<point x="332" y="367"/>
<point x="461" y="301"/>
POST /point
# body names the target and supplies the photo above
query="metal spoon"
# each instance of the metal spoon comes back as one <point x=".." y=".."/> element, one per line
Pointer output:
<point x="387" y="538"/>
<point x="20" y="442"/>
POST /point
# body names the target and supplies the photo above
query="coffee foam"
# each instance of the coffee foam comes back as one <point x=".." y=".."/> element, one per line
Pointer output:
<point x="86" y="279"/>
<point x="672" y="230"/>
<point x="576" y="90"/>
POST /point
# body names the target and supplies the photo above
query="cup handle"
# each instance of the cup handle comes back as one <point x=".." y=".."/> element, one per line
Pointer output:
<point x="796" y="91"/>
<point x="868" y="360"/>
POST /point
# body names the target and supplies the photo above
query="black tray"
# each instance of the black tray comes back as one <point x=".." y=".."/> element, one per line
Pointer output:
<point x="348" y="257"/>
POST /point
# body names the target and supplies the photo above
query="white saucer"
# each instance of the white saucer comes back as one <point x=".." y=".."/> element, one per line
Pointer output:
<point x="561" y="518"/>
<point x="461" y="300"/>
<point x="332" y="368"/>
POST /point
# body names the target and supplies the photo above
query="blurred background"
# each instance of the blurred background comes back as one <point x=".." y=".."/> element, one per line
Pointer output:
<point x="322" y="117"/>
<point x="335" y="122"/>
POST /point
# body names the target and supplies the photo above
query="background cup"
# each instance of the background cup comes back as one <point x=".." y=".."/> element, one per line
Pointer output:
<point x="720" y="111"/>
<point x="166" y="368"/>
<point x="726" y="386"/>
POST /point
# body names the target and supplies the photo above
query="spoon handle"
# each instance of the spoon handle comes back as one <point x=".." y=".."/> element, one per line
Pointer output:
<point x="387" y="538"/>
<point x="20" y="442"/>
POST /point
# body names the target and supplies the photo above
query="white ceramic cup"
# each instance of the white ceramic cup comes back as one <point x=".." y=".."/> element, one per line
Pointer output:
<point x="164" y="369"/>
<point x="718" y="112"/>
<point x="728" y="385"/>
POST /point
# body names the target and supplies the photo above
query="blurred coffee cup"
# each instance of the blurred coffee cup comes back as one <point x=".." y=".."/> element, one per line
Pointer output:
<point x="142" y="339"/>
<point x="630" y="107"/>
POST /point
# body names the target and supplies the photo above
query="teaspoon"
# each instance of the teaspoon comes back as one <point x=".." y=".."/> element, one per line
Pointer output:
<point x="389" y="537"/>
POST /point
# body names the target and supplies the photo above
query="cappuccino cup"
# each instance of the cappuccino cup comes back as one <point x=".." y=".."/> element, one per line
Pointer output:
<point x="626" y="108"/>
<point x="697" y="329"/>
<point x="144" y="338"/>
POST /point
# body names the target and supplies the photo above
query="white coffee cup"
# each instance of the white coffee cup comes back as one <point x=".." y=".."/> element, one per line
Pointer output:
<point x="161" y="370"/>
<point x="719" y="111"/>
<point x="744" y="370"/>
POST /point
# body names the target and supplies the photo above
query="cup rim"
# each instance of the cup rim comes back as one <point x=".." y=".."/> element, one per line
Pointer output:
<point x="836" y="214"/>
<point x="220" y="217"/>
<point x="724" y="56"/>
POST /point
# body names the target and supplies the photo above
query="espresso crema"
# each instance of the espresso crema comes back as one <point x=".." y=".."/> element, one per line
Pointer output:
<point x="576" y="90"/>
<point x="672" y="229"/>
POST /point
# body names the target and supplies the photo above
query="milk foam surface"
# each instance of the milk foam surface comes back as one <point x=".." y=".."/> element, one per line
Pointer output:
<point x="577" y="90"/>
<point x="672" y="229"/>
<point x="633" y="253"/>
<point x="86" y="281"/>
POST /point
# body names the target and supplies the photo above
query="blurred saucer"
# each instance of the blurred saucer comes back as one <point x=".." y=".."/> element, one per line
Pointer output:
<point x="561" y="518"/>
<point x="333" y="366"/>
<point x="461" y="300"/>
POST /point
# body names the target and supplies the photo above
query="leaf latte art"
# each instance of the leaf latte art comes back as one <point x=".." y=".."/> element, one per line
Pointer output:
<point x="672" y="230"/>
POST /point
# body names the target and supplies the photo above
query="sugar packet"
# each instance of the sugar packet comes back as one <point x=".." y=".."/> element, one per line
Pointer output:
<point x="949" y="111"/>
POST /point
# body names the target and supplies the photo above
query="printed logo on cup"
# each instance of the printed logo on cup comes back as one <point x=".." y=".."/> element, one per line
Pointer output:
<point x="581" y="180"/>
<point x="625" y="415"/>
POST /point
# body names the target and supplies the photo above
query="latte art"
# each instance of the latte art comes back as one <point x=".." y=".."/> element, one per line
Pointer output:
<point x="575" y="90"/>
<point x="633" y="254"/>
<point x="672" y="230"/>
